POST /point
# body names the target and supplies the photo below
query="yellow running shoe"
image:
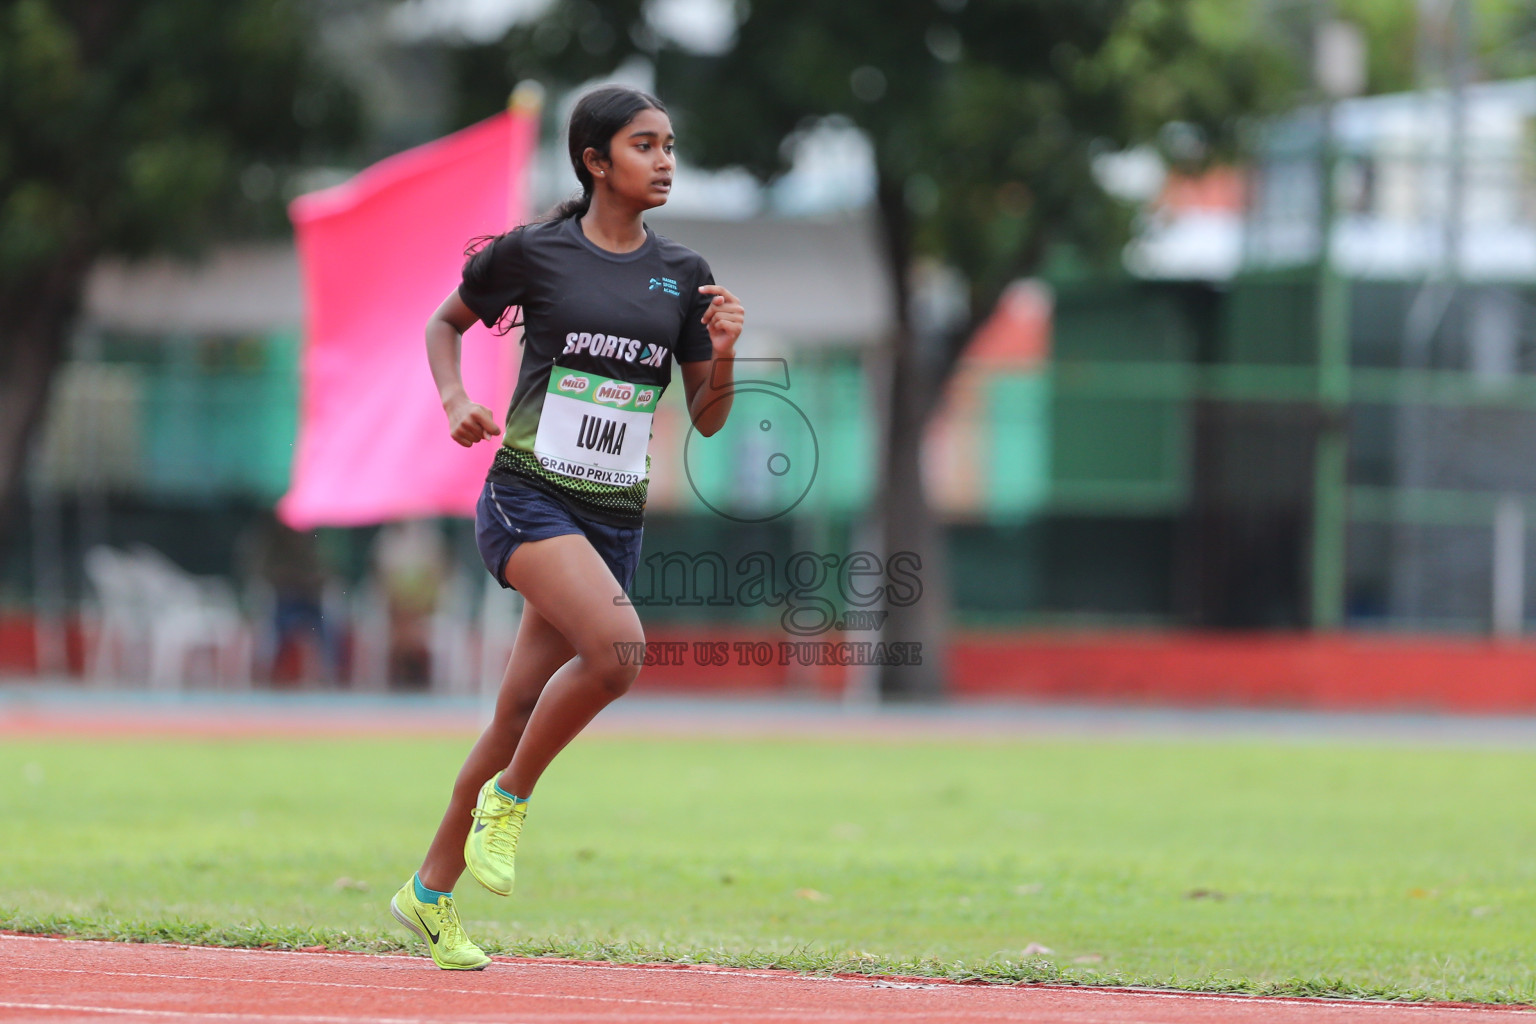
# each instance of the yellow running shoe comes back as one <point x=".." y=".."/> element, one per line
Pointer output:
<point x="438" y="925"/>
<point x="492" y="840"/>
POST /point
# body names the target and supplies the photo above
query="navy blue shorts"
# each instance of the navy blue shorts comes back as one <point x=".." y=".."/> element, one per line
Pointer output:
<point x="510" y="512"/>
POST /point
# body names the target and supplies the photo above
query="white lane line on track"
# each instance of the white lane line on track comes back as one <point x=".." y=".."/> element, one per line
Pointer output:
<point x="317" y="1019"/>
<point x="792" y="1011"/>
<point x="541" y="1019"/>
<point x="425" y="991"/>
<point x="822" y="1013"/>
<point x="585" y="1018"/>
<point x="204" y="1014"/>
<point x="795" y="1012"/>
<point x="772" y="974"/>
<point x="790" y="976"/>
<point x="1342" y="1004"/>
<point x="1246" y="1000"/>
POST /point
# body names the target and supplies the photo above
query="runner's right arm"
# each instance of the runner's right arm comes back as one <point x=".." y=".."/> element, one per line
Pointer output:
<point x="468" y="421"/>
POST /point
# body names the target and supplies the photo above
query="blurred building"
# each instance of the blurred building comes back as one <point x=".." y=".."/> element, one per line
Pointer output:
<point x="1190" y="401"/>
<point x="173" y="424"/>
<point x="1131" y="448"/>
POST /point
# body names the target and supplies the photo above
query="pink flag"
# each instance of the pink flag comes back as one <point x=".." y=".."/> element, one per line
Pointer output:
<point x="378" y="253"/>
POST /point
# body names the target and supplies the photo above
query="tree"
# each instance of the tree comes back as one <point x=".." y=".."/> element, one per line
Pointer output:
<point x="1503" y="39"/>
<point x="130" y="128"/>
<point x="985" y="118"/>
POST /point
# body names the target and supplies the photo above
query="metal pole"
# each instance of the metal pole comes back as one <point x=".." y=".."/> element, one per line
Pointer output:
<point x="1444" y="61"/>
<point x="1330" y="471"/>
<point x="1508" y="566"/>
<point x="48" y="600"/>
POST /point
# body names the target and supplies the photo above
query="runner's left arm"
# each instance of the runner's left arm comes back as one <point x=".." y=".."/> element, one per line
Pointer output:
<point x="708" y="383"/>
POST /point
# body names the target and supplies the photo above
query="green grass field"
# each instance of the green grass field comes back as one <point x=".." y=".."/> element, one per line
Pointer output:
<point x="1254" y="866"/>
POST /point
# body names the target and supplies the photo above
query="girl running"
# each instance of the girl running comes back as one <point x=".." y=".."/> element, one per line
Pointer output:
<point x="607" y="304"/>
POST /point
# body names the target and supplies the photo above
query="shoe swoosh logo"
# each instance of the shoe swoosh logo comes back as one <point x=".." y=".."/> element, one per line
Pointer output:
<point x="434" y="936"/>
<point x="479" y="826"/>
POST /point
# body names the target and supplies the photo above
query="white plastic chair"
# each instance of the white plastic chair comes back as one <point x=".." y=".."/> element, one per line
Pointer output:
<point x="501" y="613"/>
<point x="151" y="606"/>
<point x="124" y="620"/>
<point x="451" y="648"/>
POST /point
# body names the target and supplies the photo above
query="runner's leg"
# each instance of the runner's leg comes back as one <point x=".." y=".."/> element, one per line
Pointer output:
<point x="573" y="588"/>
<point x="539" y="650"/>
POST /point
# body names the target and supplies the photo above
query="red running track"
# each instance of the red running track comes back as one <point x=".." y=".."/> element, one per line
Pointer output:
<point x="57" y="980"/>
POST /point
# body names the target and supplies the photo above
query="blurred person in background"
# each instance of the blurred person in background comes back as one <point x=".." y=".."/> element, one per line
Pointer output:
<point x="412" y="564"/>
<point x="288" y="584"/>
<point x="606" y="304"/>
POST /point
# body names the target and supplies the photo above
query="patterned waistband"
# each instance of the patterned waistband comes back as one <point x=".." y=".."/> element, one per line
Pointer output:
<point x="614" y="506"/>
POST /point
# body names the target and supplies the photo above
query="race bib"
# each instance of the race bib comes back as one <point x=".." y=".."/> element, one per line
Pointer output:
<point x="593" y="428"/>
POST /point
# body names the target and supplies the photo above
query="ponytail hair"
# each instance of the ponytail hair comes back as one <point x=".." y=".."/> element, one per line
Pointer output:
<point x="477" y="271"/>
<point x="598" y="117"/>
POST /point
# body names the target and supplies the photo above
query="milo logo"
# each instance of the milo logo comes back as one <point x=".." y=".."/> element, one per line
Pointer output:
<point x="573" y="382"/>
<point x="644" y="397"/>
<point x="615" y="392"/>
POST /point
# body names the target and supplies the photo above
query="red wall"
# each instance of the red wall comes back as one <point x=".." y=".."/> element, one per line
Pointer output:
<point x="18" y="646"/>
<point x="1340" y="672"/>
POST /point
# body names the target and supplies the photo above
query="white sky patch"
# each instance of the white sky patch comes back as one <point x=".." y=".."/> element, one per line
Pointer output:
<point x="478" y="21"/>
<point x="834" y="169"/>
<point x="702" y="26"/>
<point x="1135" y="175"/>
<point x="731" y="194"/>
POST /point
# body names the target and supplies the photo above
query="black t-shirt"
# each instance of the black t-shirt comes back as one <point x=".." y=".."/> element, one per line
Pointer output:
<point x="600" y="331"/>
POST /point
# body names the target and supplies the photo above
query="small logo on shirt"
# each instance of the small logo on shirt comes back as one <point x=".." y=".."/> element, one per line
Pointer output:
<point x="666" y="284"/>
<point x="644" y="397"/>
<point x="614" y="393"/>
<point x="573" y="382"/>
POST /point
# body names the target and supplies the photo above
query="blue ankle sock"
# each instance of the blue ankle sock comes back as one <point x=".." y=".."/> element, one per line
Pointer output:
<point x="424" y="894"/>
<point x="509" y="796"/>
